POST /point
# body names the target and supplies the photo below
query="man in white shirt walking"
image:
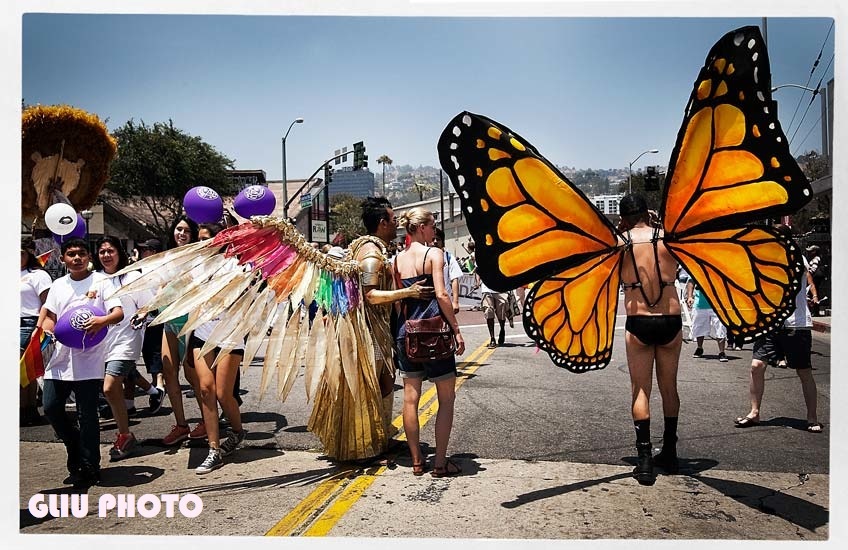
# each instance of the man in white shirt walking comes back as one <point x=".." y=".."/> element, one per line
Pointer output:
<point x="793" y="342"/>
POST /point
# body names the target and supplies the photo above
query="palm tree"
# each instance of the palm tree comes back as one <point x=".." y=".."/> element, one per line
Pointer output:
<point x="384" y="160"/>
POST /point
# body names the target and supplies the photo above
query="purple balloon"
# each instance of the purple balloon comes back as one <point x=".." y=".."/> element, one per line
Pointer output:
<point x="78" y="232"/>
<point x="255" y="200"/>
<point x="69" y="327"/>
<point x="203" y="205"/>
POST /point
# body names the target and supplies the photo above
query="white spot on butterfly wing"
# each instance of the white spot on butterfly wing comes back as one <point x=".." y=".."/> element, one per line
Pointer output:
<point x="760" y="96"/>
<point x="771" y="126"/>
<point x="455" y="163"/>
<point x="465" y="194"/>
<point x="751" y="43"/>
<point x="454" y="146"/>
<point x="456" y="131"/>
<point x="461" y="179"/>
<point x="466" y="120"/>
<point x="755" y="56"/>
<point x="737" y="40"/>
<point x="756" y="75"/>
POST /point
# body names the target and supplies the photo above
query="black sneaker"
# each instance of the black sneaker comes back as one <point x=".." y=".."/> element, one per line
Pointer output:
<point x="232" y="442"/>
<point x="213" y="462"/>
<point x="155" y="401"/>
<point x="722" y="357"/>
<point x="86" y="477"/>
<point x="699" y="352"/>
<point x="105" y="412"/>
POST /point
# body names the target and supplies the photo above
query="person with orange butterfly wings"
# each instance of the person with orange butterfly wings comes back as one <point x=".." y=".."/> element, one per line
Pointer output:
<point x="653" y="331"/>
<point x="731" y="167"/>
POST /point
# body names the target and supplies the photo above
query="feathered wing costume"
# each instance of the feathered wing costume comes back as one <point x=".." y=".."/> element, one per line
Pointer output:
<point x="260" y="279"/>
<point x="730" y="169"/>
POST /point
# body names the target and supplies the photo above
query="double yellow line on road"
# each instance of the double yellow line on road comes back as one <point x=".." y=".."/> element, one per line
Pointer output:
<point x="316" y="514"/>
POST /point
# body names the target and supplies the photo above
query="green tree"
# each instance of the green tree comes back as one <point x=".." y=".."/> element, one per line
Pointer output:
<point x="346" y="213"/>
<point x="157" y="164"/>
<point x="813" y="165"/>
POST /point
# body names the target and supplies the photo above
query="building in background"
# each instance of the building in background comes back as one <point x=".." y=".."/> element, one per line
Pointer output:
<point x="359" y="183"/>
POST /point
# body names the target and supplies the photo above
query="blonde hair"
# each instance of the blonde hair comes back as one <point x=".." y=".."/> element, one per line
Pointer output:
<point x="413" y="218"/>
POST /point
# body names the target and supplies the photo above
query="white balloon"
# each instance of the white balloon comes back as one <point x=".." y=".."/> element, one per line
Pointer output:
<point x="61" y="218"/>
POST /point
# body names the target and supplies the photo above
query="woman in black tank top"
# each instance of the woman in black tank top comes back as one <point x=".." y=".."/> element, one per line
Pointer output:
<point x="414" y="264"/>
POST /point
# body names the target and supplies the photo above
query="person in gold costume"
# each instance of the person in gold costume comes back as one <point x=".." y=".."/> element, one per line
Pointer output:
<point x="337" y="421"/>
<point x="378" y="287"/>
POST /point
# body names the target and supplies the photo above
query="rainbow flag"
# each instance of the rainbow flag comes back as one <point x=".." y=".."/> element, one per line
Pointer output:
<point x="32" y="360"/>
<point x="42" y="258"/>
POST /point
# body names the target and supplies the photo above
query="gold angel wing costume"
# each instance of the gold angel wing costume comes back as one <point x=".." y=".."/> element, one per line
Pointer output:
<point x="259" y="280"/>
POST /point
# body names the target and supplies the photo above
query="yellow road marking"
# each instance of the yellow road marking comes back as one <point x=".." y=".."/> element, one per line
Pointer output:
<point x="316" y="514"/>
<point x="342" y="504"/>
<point x="315" y="502"/>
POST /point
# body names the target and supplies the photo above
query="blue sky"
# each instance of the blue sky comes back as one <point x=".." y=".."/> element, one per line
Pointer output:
<point x="587" y="92"/>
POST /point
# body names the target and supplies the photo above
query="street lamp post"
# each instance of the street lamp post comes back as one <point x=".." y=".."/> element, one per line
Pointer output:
<point x="630" y="169"/>
<point x="87" y="215"/>
<point x="298" y="120"/>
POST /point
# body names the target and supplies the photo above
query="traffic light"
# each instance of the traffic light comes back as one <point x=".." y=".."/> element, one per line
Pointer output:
<point x="360" y="159"/>
<point x="652" y="179"/>
<point x="328" y="173"/>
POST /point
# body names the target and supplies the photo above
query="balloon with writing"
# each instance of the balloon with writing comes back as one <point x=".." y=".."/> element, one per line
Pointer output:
<point x="255" y="200"/>
<point x="203" y="204"/>
<point x="70" y="327"/>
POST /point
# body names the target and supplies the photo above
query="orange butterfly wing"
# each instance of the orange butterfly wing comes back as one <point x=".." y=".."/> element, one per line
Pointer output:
<point x="572" y="314"/>
<point x="527" y="220"/>
<point x="749" y="275"/>
<point x="731" y="166"/>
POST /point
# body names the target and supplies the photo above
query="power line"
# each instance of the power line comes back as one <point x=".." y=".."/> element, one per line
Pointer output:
<point x="811" y="103"/>
<point x="810" y="77"/>
<point x="810" y="131"/>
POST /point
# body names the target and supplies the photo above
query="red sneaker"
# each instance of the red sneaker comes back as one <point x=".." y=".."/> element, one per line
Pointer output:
<point x="199" y="432"/>
<point x="123" y="446"/>
<point x="176" y="435"/>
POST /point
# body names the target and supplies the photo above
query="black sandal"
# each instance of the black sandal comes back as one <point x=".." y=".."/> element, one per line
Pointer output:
<point x="450" y="469"/>
<point x="745" y="422"/>
<point x="418" y="469"/>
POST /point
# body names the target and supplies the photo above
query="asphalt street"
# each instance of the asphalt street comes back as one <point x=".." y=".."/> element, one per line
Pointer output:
<point x="546" y="454"/>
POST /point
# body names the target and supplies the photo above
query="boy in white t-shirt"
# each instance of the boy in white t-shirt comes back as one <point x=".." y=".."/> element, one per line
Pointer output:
<point x="77" y="370"/>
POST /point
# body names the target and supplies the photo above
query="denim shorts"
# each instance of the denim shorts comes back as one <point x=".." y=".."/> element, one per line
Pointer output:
<point x="120" y="367"/>
<point x="431" y="370"/>
<point x="27" y="328"/>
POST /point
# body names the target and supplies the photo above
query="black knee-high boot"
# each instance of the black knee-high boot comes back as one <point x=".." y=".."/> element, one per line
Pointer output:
<point x="667" y="458"/>
<point x="644" y="470"/>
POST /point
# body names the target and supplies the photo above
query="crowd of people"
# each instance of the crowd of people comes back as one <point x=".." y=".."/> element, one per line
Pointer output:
<point x="419" y="281"/>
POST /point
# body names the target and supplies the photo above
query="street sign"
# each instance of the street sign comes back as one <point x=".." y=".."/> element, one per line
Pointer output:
<point x="305" y="200"/>
<point x="319" y="231"/>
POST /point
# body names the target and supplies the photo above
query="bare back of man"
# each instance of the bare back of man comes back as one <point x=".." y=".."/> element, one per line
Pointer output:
<point x="652" y="334"/>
